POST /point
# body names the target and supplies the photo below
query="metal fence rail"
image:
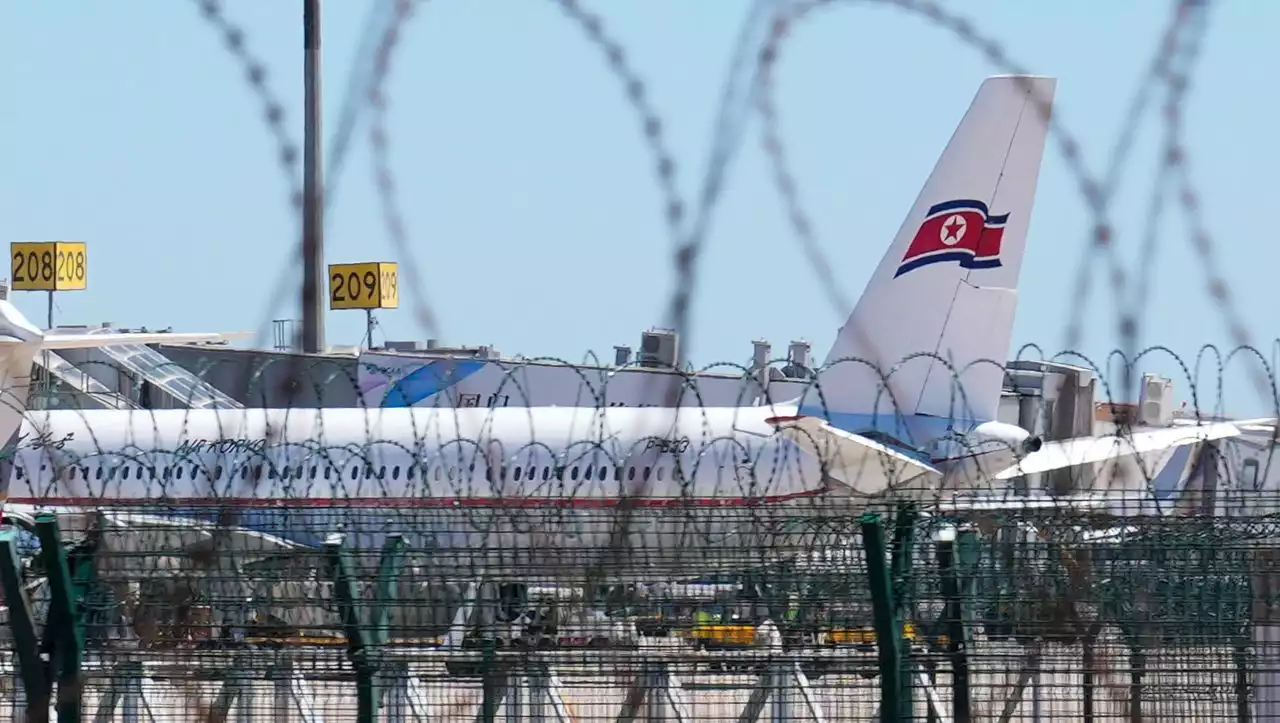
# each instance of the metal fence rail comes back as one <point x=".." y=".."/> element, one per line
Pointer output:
<point x="985" y="618"/>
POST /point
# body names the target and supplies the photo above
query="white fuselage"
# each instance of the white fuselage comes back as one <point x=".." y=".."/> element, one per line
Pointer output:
<point x="630" y="492"/>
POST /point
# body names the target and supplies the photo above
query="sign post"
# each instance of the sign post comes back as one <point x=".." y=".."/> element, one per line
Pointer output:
<point x="369" y="285"/>
<point x="48" y="266"/>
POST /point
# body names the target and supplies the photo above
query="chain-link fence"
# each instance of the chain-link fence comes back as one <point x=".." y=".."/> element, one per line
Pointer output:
<point x="1137" y="591"/>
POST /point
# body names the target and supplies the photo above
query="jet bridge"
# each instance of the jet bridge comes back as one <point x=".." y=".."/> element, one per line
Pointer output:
<point x="64" y="371"/>
<point x="168" y="376"/>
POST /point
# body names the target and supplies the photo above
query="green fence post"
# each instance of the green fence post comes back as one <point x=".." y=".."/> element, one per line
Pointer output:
<point x="1137" y="670"/>
<point x="1244" y="668"/>
<point x="957" y="651"/>
<point x="64" y="626"/>
<point x="385" y="594"/>
<point x="1088" y="662"/>
<point x="904" y="529"/>
<point x="359" y="648"/>
<point x="366" y="638"/>
<point x="492" y="684"/>
<point x="31" y="668"/>
<point x="888" y="631"/>
<point x="968" y="553"/>
<point x="60" y="651"/>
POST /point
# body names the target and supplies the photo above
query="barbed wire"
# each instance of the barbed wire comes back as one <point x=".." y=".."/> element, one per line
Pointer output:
<point x="618" y="500"/>
<point x="1188" y="18"/>
<point x="152" y="569"/>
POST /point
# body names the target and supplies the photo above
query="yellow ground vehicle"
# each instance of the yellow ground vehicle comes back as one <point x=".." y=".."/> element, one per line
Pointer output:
<point x="717" y="635"/>
<point x="723" y="626"/>
<point x="860" y="635"/>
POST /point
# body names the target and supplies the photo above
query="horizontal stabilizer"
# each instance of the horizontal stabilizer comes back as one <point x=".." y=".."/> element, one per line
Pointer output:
<point x="1087" y="450"/>
<point x="863" y="465"/>
<point x="1258" y="424"/>
<point x="53" y="341"/>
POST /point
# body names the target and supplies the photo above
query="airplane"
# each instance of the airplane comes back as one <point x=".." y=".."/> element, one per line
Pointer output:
<point x="639" y="494"/>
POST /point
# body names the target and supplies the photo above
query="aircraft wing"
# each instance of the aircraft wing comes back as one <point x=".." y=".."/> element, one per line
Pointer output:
<point x="864" y="465"/>
<point x="1086" y="450"/>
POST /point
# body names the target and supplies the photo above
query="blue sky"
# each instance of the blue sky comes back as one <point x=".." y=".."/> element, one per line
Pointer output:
<point x="528" y="193"/>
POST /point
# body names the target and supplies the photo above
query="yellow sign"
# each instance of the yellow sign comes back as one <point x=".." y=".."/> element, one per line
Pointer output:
<point x="48" y="266"/>
<point x="371" y="285"/>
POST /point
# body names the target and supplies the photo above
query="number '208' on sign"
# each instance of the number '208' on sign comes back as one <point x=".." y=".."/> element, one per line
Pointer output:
<point x="48" y="266"/>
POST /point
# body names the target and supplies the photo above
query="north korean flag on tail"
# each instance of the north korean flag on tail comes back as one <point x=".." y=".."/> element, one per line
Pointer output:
<point x="961" y="231"/>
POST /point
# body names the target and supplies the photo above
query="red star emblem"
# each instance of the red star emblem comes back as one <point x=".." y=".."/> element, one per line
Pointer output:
<point x="953" y="229"/>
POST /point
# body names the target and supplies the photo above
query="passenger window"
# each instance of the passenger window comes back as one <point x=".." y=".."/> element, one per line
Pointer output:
<point x="217" y="472"/>
<point x="312" y="473"/>
<point x="617" y="474"/>
<point x="355" y="471"/>
<point x="546" y="473"/>
<point x="647" y="470"/>
<point x="661" y="473"/>
<point x="97" y="474"/>
<point x="518" y="472"/>
<point x="395" y="472"/>
<point x="573" y="473"/>
<point x="124" y="474"/>
<point x="327" y="471"/>
<point x="587" y="475"/>
<point x="602" y="473"/>
<point x="631" y="474"/>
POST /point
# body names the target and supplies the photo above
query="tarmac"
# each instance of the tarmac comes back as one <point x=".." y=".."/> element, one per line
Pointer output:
<point x="1006" y="683"/>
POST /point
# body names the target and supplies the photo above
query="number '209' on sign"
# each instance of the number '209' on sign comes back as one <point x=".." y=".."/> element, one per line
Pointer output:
<point x="48" y="266"/>
<point x="371" y="285"/>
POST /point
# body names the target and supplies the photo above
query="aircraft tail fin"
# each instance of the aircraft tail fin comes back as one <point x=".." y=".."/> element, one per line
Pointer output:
<point x="946" y="288"/>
